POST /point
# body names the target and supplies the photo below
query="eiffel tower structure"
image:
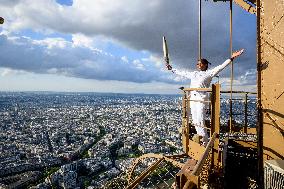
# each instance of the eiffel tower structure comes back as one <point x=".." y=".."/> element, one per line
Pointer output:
<point x="237" y="156"/>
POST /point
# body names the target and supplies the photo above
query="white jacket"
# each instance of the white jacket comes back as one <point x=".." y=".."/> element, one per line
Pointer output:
<point x="201" y="79"/>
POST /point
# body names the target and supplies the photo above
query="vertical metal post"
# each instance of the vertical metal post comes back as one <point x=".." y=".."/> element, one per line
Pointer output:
<point x="215" y="109"/>
<point x="232" y="65"/>
<point x="215" y="121"/>
<point x="200" y="32"/>
<point x="185" y="129"/>
<point x="259" y="104"/>
<point x="246" y="113"/>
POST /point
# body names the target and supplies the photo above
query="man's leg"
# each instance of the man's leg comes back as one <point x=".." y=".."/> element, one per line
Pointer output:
<point x="194" y="117"/>
<point x="193" y="111"/>
<point x="200" y="113"/>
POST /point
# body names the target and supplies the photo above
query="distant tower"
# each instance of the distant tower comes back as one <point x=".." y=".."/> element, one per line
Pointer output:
<point x="46" y="138"/>
<point x="16" y="109"/>
<point x="68" y="142"/>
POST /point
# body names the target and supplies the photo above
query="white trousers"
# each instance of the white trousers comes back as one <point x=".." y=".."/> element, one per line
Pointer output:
<point x="198" y="118"/>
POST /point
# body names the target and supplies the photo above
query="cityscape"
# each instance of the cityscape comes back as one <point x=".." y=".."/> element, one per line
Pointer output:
<point x="82" y="140"/>
<point x="69" y="139"/>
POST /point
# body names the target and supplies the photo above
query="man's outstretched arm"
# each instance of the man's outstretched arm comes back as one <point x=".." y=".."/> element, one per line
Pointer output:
<point x="236" y="54"/>
<point x="185" y="74"/>
<point x="219" y="68"/>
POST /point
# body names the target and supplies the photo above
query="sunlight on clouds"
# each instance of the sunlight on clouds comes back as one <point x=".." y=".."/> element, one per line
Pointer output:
<point x="52" y="43"/>
<point x="157" y="60"/>
<point x="9" y="72"/>
<point x="82" y="40"/>
<point x="138" y="65"/>
<point x="125" y="59"/>
<point x="61" y="57"/>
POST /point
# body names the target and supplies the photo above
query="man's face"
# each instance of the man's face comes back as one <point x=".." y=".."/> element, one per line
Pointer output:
<point x="200" y="66"/>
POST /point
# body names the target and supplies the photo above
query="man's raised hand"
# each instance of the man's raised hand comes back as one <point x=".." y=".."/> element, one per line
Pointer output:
<point x="237" y="53"/>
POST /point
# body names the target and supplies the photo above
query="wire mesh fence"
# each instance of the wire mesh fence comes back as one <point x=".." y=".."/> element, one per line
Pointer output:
<point x="163" y="176"/>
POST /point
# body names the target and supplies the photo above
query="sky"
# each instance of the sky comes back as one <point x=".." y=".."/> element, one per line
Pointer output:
<point x="116" y="46"/>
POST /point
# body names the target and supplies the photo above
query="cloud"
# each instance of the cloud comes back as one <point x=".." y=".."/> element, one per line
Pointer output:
<point x="57" y="56"/>
<point x="82" y="40"/>
<point x="249" y="78"/>
<point x="133" y="24"/>
<point x="9" y="2"/>
<point x="8" y="72"/>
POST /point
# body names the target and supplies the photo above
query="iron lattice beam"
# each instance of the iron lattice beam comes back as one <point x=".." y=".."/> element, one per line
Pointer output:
<point x="248" y="5"/>
<point x="248" y="1"/>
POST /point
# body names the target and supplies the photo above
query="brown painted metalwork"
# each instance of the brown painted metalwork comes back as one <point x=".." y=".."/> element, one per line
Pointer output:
<point x="150" y="169"/>
<point x="215" y="120"/>
<point x="215" y="108"/>
<point x="184" y="179"/>
<point x="195" y="174"/>
<point x="270" y="58"/>
<point x="259" y="96"/>
<point x="248" y="5"/>
<point x="197" y="169"/>
<point x="195" y="150"/>
<point x="185" y="128"/>
<point x="245" y="128"/>
<point x="206" y="159"/>
<point x="171" y="158"/>
<point x="270" y="76"/>
<point x="232" y="66"/>
<point x="251" y="9"/>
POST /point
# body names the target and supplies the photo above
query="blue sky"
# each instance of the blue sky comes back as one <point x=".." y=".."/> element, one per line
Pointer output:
<point x="116" y="46"/>
<point x="65" y="2"/>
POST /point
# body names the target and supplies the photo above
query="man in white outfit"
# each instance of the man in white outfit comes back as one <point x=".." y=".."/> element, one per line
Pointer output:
<point x="201" y="79"/>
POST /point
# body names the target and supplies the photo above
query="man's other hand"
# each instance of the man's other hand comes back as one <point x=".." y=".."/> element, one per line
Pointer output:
<point x="237" y="53"/>
<point x="169" y="67"/>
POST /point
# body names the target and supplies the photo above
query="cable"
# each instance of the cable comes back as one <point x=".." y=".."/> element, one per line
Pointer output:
<point x="232" y="65"/>
<point x="199" y="22"/>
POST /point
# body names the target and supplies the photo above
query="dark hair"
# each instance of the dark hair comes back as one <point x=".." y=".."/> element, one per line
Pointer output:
<point x="204" y="61"/>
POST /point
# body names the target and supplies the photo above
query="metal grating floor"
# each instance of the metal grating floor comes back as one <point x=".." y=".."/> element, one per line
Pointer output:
<point x="240" y="166"/>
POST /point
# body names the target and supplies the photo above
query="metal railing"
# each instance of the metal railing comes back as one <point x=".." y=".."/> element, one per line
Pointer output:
<point x="154" y="171"/>
<point x="243" y="97"/>
<point x="215" y="109"/>
<point x="211" y="159"/>
<point x="215" y="113"/>
<point x="198" y="174"/>
<point x="274" y="174"/>
<point x="162" y="171"/>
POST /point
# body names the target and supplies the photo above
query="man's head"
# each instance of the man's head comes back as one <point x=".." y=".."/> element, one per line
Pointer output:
<point x="202" y="64"/>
